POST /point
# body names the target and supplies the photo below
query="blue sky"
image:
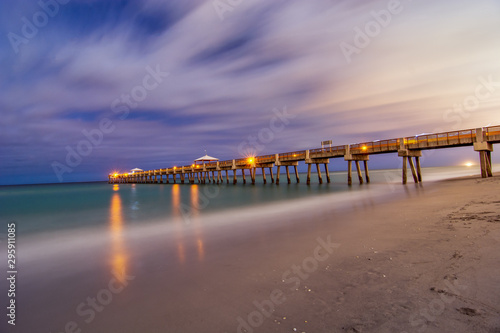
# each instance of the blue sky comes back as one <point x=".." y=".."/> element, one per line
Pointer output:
<point x="416" y="66"/>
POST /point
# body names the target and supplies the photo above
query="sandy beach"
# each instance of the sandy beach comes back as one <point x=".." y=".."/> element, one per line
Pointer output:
<point x="425" y="260"/>
<point x="425" y="263"/>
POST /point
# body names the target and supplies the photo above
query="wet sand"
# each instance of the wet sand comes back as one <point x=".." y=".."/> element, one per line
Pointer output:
<point x="426" y="261"/>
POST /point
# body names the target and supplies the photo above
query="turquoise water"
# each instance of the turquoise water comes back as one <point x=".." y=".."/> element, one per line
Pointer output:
<point x="65" y="206"/>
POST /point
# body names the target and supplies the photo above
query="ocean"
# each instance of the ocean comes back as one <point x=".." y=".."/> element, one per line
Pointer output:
<point x="56" y="207"/>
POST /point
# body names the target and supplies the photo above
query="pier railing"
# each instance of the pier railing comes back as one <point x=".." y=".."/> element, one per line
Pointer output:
<point x="292" y="156"/>
<point x="327" y="152"/>
<point x="441" y="139"/>
<point x="493" y="133"/>
<point x="390" y="145"/>
<point x="265" y="159"/>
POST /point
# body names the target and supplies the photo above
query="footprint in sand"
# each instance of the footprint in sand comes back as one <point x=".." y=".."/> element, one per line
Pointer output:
<point x="468" y="312"/>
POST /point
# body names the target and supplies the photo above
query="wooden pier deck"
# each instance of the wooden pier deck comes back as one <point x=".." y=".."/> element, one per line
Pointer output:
<point x="408" y="148"/>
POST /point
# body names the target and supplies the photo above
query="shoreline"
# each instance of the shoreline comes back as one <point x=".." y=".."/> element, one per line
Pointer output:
<point x="400" y="266"/>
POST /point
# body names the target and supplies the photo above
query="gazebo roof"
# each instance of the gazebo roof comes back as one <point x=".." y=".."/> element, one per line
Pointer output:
<point x="206" y="158"/>
<point x="136" y="169"/>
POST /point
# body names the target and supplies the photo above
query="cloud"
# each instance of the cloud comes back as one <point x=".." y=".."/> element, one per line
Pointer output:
<point x="226" y="77"/>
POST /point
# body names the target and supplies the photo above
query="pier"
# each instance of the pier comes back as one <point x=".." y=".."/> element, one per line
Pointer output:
<point x="408" y="148"/>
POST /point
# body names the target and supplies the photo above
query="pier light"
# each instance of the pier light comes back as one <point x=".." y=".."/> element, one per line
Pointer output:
<point x="468" y="164"/>
<point x="115" y="175"/>
<point x="175" y="168"/>
<point x="192" y="165"/>
<point x="364" y="148"/>
<point x="294" y="155"/>
<point x="250" y="160"/>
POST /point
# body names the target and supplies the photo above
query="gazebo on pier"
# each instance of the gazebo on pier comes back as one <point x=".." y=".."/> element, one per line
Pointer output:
<point x="205" y="159"/>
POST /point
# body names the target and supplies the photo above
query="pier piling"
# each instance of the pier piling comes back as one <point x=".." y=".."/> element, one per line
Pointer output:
<point x="308" y="182"/>
<point x="320" y="179"/>
<point x="358" y="170"/>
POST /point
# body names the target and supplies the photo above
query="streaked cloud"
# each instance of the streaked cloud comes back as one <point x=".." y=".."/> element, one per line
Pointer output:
<point x="226" y="77"/>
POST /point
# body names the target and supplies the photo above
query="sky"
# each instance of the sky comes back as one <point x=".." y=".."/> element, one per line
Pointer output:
<point x="89" y="87"/>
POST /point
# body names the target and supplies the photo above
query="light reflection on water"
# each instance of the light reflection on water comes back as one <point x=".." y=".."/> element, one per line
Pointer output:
<point x="119" y="256"/>
<point x="187" y="217"/>
<point x="83" y="206"/>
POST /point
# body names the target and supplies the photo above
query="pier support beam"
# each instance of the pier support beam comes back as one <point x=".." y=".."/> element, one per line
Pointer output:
<point x="349" y="172"/>
<point x="297" y="174"/>
<point x="316" y="161"/>
<point x="360" y="174"/>
<point x="419" y="169"/>
<point x="327" y="174"/>
<point x="413" y="170"/>
<point x="243" y="175"/>
<point x="484" y="148"/>
<point x="272" y="176"/>
<point x="264" y="175"/>
<point x="308" y="182"/>
<point x="318" y="169"/>
<point x="349" y="157"/>
<point x="235" y="180"/>
<point x="227" y="176"/>
<point x="407" y="155"/>
<point x="367" y="175"/>
<point x="287" y="165"/>
<point x="252" y="174"/>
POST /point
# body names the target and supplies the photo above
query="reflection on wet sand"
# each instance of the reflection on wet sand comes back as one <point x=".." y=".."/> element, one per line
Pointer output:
<point x="195" y="213"/>
<point x="119" y="257"/>
<point x="187" y="216"/>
